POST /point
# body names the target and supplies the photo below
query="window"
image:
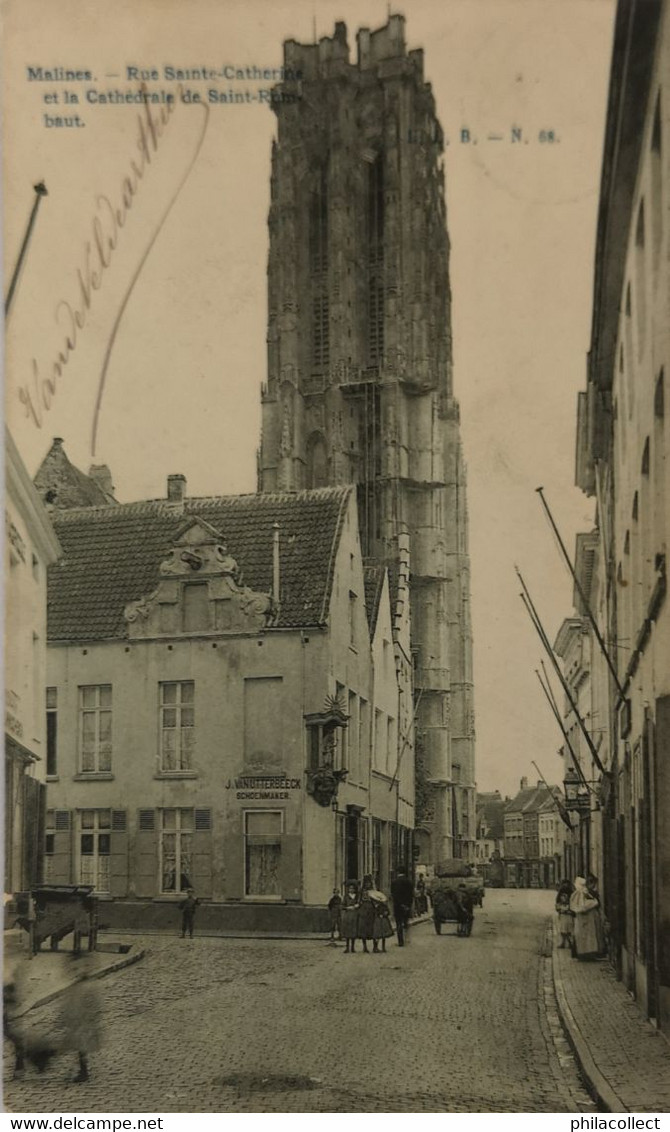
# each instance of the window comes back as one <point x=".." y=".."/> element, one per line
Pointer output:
<point x="375" y="255"/>
<point x="52" y="730"/>
<point x="262" y="852"/>
<point x="263" y="714"/>
<point x="94" y="844"/>
<point x="196" y="607"/>
<point x="95" y="728"/>
<point x="318" y="264"/>
<point x="376" y="863"/>
<point x="49" y="846"/>
<point x="354" y="764"/>
<point x="177" y="725"/>
<point x="352" y="619"/>
<point x="176" y="850"/>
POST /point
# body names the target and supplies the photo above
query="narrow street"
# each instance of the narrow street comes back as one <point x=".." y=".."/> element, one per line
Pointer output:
<point x="445" y="1024"/>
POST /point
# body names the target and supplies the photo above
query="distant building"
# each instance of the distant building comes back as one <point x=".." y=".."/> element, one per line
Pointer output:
<point x="61" y="485"/>
<point x="360" y="373"/>
<point x="30" y="547"/>
<point x="490" y="828"/>
<point x="229" y="693"/>
<point x="532" y="851"/>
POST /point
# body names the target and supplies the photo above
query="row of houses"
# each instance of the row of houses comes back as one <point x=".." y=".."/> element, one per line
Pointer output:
<point x="615" y="644"/>
<point x="521" y="841"/>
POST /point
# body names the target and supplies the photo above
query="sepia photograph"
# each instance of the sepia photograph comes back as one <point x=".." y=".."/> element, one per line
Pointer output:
<point x="337" y="492"/>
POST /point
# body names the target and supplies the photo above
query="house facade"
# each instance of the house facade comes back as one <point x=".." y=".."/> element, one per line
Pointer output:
<point x="30" y="547"/>
<point x="532" y="841"/>
<point x="228" y="708"/>
<point x="622" y="462"/>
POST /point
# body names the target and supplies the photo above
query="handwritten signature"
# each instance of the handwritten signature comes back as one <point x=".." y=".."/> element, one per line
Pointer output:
<point x="106" y="225"/>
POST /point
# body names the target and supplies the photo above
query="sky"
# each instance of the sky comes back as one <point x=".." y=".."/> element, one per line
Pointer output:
<point x="166" y="356"/>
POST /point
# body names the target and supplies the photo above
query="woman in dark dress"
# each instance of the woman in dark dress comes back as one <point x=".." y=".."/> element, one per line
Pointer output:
<point x="366" y="912"/>
<point x="349" y="917"/>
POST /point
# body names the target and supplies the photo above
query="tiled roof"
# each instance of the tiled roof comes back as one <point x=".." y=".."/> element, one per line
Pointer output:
<point x="529" y="801"/>
<point x="61" y="485"/>
<point x="111" y="555"/>
<point x="373" y="573"/>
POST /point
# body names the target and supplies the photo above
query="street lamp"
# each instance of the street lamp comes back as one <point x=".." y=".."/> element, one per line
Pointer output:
<point x="575" y="797"/>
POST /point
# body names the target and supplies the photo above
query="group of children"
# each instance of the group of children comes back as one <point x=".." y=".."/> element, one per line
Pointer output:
<point x="363" y="913"/>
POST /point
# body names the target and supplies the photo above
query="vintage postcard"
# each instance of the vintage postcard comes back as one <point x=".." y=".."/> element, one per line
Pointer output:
<point x="337" y="650"/>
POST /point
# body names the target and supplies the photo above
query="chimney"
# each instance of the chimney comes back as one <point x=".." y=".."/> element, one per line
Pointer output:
<point x="524" y="783"/>
<point x="275" y="562"/>
<point x="176" y="488"/>
<point x="101" y="475"/>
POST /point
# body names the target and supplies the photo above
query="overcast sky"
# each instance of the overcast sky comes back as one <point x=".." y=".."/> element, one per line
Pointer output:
<point x="187" y="357"/>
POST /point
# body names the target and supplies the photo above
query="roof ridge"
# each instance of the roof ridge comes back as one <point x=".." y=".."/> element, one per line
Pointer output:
<point x="192" y="502"/>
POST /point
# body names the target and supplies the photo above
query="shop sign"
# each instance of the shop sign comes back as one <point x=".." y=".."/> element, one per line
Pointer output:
<point x="263" y="788"/>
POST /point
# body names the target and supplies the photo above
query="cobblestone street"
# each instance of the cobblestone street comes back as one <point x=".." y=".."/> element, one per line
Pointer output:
<point x="445" y="1024"/>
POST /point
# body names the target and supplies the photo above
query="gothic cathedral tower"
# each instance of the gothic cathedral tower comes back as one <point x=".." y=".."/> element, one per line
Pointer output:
<point x="359" y="383"/>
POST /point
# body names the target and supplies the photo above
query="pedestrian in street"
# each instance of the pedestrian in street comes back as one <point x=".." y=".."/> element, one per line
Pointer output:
<point x="335" y="911"/>
<point x="565" y="917"/>
<point x="421" y="899"/>
<point x="586" y="911"/>
<point x="402" y="895"/>
<point x="592" y="889"/>
<point x="187" y="909"/>
<point x="80" y="1016"/>
<point x="381" y="929"/>
<point x="465" y="911"/>
<point x="366" y="912"/>
<point x="349" y="917"/>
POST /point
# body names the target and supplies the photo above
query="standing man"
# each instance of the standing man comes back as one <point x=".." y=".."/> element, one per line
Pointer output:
<point x="187" y="909"/>
<point x="402" y="894"/>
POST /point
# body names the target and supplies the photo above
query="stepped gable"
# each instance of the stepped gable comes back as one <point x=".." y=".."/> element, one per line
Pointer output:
<point x="112" y="555"/>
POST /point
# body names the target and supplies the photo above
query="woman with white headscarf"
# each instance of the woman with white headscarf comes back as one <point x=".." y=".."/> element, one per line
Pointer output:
<point x="585" y="908"/>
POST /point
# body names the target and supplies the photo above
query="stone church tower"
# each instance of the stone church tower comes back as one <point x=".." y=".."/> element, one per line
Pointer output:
<point x="359" y="383"/>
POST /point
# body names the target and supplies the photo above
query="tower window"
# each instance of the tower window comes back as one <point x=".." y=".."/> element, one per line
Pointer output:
<point x="318" y="267"/>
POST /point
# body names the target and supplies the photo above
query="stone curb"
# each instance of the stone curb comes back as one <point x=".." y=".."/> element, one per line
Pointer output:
<point x="598" y="1086"/>
<point x="318" y="937"/>
<point x="123" y="961"/>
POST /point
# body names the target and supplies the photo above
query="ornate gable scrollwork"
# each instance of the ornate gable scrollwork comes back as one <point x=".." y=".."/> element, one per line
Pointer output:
<point x="199" y="555"/>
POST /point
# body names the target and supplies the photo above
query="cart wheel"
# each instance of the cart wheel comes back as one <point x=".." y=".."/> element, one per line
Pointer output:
<point x="438" y="926"/>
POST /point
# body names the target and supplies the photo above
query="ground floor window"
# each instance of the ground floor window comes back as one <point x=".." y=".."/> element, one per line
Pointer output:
<point x="262" y="852"/>
<point x="94" y="845"/>
<point x="176" y="850"/>
<point x="377" y="828"/>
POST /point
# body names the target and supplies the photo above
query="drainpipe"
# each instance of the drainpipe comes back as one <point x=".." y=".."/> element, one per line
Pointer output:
<point x="275" y="562"/>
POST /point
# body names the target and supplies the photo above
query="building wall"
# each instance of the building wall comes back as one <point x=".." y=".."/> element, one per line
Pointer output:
<point x="247" y="778"/>
<point x="641" y="443"/>
<point x="622" y="460"/>
<point x="30" y="546"/>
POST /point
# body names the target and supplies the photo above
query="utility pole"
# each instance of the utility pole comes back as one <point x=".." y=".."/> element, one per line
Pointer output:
<point x="40" y="191"/>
